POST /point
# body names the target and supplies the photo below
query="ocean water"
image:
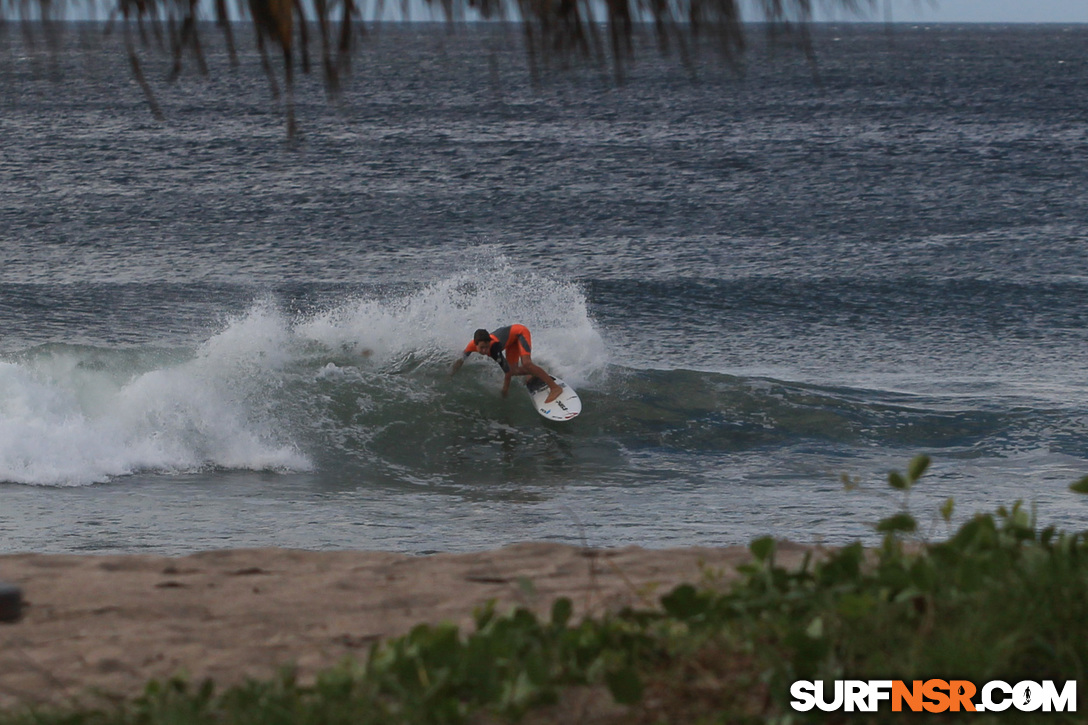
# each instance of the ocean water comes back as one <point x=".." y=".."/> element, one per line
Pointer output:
<point x="759" y="279"/>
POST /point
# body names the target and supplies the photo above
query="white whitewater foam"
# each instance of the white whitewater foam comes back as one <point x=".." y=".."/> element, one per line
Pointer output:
<point x="66" y="423"/>
<point x="437" y="321"/>
<point x="74" y="416"/>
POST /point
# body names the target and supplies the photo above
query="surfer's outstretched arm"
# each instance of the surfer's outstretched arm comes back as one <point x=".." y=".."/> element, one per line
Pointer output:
<point x="506" y="382"/>
<point x="481" y="343"/>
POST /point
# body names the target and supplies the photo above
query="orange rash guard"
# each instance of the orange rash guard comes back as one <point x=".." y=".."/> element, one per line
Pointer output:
<point x="513" y="340"/>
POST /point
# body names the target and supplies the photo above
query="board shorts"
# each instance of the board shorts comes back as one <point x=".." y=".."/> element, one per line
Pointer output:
<point x="518" y="342"/>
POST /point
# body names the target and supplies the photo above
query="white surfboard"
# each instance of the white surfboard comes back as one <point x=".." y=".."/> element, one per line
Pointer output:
<point x="565" y="407"/>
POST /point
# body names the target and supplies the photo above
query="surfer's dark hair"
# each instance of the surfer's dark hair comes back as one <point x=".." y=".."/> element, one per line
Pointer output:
<point x="481" y="335"/>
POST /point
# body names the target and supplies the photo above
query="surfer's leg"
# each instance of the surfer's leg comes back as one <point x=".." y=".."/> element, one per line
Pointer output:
<point x="529" y="367"/>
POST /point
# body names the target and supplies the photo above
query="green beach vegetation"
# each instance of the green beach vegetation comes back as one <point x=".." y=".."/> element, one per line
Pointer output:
<point x="998" y="599"/>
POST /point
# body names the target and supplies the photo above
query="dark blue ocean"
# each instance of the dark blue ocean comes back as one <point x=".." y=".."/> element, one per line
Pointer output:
<point x="760" y="279"/>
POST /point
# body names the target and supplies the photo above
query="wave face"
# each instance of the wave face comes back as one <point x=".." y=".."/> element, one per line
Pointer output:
<point x="359" y="387"/>
<point x="278" y="391"/>
<point x="325" y="417"/>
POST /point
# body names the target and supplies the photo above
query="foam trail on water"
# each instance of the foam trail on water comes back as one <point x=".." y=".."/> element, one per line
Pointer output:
<point x="66" y="418"/>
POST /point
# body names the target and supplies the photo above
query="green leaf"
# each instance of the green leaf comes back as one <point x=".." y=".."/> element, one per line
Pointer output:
<point x="762" y="548"/>
<point x="536" y="668"/>
<point x="1080" y="486"/>
<point x="518" y="692"/>
<point x="682" y="602"/>
<point x="207" y="689"/>
<point x="946" y="509"/>
<point x="688" y="604"/>
<point x="561" y="611"/>
<point x="856" y="605"/>
<point x="896" y="481"/>
<point x="1020" y="519"/>
<point x="526" y="587"/>
<point x="918" y="467"/>
<point x="843" y="567"/>
<point x="899" y="522"/>
<point x="809" y="653"/>
<point x="484" y="614"/>
<point x="625" y="686"/>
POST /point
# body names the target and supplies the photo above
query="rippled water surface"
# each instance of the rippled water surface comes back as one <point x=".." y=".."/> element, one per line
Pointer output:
<point x="211" y="336"/>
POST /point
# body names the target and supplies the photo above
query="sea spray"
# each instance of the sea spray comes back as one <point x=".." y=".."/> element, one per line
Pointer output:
<point x="433" y="323"/>
<point x="73" y="416"/>
<point x="275" y="390"/>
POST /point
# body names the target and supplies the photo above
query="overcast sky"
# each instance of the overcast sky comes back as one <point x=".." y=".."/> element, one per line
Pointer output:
<point x="983" y="11"/>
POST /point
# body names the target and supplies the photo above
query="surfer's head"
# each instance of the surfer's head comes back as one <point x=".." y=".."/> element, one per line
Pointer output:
<point x="482" y="338"/>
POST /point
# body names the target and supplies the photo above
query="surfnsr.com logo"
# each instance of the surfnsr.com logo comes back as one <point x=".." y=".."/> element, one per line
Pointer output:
<point x="934" y="696"/>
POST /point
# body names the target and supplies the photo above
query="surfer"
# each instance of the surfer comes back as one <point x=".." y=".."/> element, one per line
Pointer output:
<point x="510" y="347"/>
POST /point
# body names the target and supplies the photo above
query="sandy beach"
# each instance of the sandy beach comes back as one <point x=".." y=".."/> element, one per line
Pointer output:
<point x="110" y="623"/>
